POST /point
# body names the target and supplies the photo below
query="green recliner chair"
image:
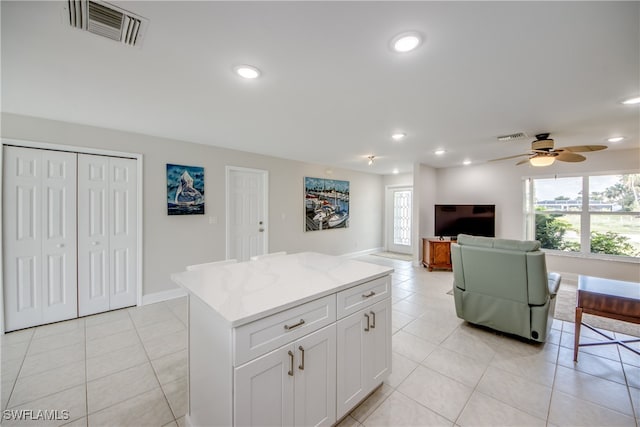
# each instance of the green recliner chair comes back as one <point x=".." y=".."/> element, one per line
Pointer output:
<point x="504" y="285"/>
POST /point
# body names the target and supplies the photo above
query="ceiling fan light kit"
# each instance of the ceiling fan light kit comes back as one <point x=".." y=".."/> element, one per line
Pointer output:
<point x="543" y="154"/>
<point x="541" y="161"/>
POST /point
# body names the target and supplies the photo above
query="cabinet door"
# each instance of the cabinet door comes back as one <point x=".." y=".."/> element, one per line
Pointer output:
<point x="441" y="255"/>
<point x="378" y="344"/>
<point x="315" y="378"/>
<point x="263" y="390"/>
<point x="350" y="348"/>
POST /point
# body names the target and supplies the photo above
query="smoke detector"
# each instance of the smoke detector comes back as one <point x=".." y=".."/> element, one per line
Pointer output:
<point x="517" y="135"/>
<point x="106" y="20"/>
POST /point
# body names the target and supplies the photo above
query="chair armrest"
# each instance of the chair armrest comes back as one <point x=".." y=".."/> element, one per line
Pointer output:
<point x="553" y="280"/>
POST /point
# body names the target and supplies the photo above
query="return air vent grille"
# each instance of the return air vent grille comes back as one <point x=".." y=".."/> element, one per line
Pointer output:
<point x="517" y="135"/>
<point x="106" y="20"/>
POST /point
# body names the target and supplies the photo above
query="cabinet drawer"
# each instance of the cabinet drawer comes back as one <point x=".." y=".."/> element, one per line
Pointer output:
<point x="260" y="337"/>
<point x="353" y="299"/>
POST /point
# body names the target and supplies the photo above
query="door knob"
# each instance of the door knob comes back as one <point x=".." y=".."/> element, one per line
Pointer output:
<point x="95" y="243"/>
<point x="60" y="245"/>
<point x="261" y="230"/>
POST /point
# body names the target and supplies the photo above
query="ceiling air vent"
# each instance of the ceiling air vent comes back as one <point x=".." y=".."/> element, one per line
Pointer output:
<point x="517" y="135"/>
<point x="106" y="20"/>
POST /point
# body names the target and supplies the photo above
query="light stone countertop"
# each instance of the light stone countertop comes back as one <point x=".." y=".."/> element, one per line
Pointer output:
<point x="247" y="291"/>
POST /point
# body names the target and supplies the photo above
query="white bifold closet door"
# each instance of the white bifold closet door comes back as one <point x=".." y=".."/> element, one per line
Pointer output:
<point x="39" y="234"/>
<point x="107" y="233"/>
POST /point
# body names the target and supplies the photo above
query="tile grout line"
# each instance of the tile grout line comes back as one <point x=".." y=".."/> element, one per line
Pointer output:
<point x="600" y="378"/>
<point x="15" y="381"/>
<point x="475" y="388"/>
<point x="136" y="395"/>
<point x="86" y="377"/>
<point x="164" y="394"/>
<point x="624" y="372"/>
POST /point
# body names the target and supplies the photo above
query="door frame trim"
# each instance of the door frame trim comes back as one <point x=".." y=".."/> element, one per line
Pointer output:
<point x="265" y="206"/>
<point x="81" y="150"/>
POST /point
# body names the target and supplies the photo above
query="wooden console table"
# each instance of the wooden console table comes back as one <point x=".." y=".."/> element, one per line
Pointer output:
<point x="614" y="299"/>
<point x="436" y="254"/>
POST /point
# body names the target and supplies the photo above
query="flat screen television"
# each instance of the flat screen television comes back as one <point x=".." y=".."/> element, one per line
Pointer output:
<point x="477" y="220"/>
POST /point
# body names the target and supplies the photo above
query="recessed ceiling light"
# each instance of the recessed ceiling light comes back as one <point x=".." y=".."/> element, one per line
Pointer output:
<point x="466" y="162"/>
<point x="398" y="136"/>
<point x="632" y="101"/>
<point x="396" y="171"/>
<point x="616" y="139"/>
<point x="371" y="159"/>
<point x="439" y="152"/>
<point x="406" y="42"/>
<point x="247" y="71"/>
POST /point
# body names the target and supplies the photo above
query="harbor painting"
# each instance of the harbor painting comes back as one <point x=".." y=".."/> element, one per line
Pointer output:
<point x="185" y="190"/>
<point x="326" y="204"/>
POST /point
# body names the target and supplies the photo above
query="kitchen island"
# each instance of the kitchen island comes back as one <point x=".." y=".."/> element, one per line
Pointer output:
<point x="296" y="339"/>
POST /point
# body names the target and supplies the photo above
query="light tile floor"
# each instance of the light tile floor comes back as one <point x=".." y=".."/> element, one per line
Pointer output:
<point x="129" y="367"/>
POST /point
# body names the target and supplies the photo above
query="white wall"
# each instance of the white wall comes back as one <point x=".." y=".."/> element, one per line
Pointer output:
<point x="172" y="242"/>
<point x="398" y="180"/>
<point x="425" y="185"/>
<point x="501" y="183"/>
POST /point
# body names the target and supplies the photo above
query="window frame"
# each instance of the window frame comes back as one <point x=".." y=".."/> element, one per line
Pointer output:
<point x="529" y="214"/>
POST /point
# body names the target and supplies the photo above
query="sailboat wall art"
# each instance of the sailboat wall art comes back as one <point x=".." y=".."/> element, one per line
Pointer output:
<point x="185" y="190"/>
<point x="326" y="203"/>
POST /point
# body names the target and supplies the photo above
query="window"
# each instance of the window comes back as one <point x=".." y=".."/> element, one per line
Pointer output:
<point x="606" y="222"/>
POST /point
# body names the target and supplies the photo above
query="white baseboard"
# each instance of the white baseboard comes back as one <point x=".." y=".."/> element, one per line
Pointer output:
<point x="362" y="253"/>
<point x="163" y="296"/>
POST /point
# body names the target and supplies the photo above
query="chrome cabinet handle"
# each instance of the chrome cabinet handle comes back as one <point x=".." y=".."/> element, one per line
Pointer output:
<point x="367" y="328"/>
<point x="301" y="366"/>
<point x="291" y="366"/>
<point x="300" y="323"/>
<point x="373" y="325"/>
<point x="370" y="294"/>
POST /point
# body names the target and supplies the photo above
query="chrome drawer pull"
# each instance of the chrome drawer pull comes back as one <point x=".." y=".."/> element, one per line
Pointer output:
<point x="301" y="366"/>
<point x="291" y="366"/>
<point x="373" y="325"/>
<point x="367" y="328"/>
<point x="300" y="323"/>
<point x="370" y="294"/>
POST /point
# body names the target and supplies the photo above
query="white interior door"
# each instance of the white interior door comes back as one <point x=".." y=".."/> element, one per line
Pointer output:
<point x="59" y="251"/>
<point x="93" y="234"/>
<point x="39" y="236"/>
<point x="107" y="233"/>
<point x="122" y="232"/>
<point x="399" y="219"/>
<point x="246" y="213"/>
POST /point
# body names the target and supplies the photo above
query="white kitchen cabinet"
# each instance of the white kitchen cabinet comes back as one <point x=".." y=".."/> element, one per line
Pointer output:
<point x="251" y="322"/>
<point x="293" y="385"/>
<point x="263" y="390"/>
<point x="364" y="354"/>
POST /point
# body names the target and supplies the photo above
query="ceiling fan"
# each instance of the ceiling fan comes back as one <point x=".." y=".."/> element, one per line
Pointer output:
<point x="543" y="154"/>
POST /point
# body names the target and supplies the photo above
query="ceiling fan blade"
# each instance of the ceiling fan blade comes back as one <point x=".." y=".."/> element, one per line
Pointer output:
<point x="583" y="148"/>
<point x="567" y="156"/>
<point x="510" y="157"/>
<point x="522" y="162"/>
